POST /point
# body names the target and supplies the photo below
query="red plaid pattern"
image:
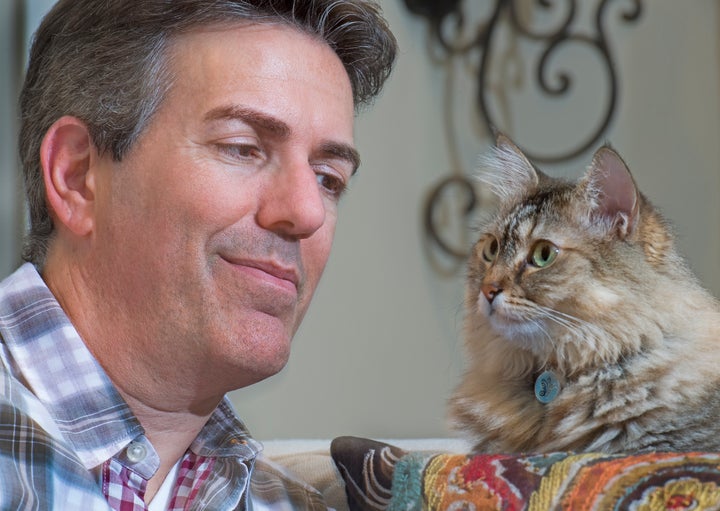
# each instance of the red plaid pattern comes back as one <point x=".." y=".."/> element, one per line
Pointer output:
<point x="125" y="489"/>
<point x="193" y="472"/>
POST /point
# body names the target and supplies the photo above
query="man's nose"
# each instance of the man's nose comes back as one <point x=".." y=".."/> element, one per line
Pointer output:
<point x="292" y="204"/>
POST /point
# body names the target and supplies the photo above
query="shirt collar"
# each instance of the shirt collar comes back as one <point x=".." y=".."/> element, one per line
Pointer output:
<point x="49" y="356"/>
<point x="225" y="435"/>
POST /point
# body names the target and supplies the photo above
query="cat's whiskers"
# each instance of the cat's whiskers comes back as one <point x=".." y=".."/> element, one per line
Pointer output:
<point x="582" y="334"/>
<point x="542" y="328"/>
<point x="534" y="313"/>
<point x="573" y="323"/>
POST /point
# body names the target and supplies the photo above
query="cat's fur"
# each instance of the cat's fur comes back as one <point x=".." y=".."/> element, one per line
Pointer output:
<point x="618" y="316"/>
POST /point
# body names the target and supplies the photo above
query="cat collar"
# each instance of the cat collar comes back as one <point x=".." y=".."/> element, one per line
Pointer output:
<point x="547" y="387"/>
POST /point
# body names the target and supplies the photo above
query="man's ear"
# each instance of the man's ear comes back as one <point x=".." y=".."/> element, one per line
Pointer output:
<point x="66" y="154"/>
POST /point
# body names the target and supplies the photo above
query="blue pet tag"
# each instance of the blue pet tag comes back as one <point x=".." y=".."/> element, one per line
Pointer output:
<point x="547" y="387"/>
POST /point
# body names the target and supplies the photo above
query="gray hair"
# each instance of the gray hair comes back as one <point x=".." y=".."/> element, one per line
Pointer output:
<point x="106" y="63"/>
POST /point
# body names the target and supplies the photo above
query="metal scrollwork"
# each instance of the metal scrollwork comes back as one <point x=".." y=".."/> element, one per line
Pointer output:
<point x="465" y="186"/>
<point x="451" y="36"/>
<point x="459" y="40"/>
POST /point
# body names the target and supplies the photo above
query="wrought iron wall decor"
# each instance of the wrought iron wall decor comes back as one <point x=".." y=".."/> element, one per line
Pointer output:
<point x="450" y="37"/>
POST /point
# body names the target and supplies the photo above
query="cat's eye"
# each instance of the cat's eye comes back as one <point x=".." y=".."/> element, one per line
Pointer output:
<point x="543" y="254"/>
<point x="490" y="249"/>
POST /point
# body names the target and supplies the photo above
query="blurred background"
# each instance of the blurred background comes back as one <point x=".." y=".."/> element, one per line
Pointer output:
<point x="380" y="349"/>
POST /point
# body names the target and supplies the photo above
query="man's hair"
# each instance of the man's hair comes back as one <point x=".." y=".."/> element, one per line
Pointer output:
<point x="107" y="63"/>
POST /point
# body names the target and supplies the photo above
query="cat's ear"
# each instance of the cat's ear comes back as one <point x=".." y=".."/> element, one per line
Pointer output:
<point x="611" y="192"/>
<point x="507" y="171"/>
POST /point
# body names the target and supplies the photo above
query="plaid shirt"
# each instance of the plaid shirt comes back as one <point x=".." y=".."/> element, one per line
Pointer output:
<point x="69" y="441"/>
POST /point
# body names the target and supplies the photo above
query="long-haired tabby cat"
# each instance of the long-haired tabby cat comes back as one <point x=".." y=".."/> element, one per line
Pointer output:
<point x="585" y="330"/>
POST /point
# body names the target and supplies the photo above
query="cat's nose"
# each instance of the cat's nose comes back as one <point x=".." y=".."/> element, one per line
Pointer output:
<point x="490" y="290"/>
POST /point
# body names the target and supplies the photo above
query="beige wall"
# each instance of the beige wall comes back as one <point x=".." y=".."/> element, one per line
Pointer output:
<point x="9" y="177"/>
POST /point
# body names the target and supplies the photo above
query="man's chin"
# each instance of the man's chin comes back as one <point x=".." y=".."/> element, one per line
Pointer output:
<point x="269" y="361"/>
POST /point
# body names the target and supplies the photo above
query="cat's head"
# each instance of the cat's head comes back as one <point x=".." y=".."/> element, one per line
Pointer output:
<point x="563" y="262"/>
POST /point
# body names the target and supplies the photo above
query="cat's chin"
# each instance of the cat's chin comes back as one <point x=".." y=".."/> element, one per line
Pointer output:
<point x="524" y="333"/>
<point x="515" y="326"/>
<point x="529" y="335"/>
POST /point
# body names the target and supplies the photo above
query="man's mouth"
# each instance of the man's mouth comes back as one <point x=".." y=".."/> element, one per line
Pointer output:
<point x="282" y="275"/>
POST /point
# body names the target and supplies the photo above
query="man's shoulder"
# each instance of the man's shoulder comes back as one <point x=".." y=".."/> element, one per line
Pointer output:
<point x="37" y="465"/>
<point x="24" y="297"/>
<point x="18" y="405"/>
<point x="22" y="421"/>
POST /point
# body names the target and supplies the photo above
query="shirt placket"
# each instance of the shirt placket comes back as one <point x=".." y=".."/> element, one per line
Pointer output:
<point x="125" y="475"/>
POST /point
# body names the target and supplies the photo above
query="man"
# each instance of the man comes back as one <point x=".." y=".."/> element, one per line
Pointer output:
<point x="183" y="163"/>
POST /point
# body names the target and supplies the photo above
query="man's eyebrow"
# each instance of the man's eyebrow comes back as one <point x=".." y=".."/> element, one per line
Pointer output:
<point x="250" y="116"/>
<point x="344" y="152"/>
<point x="281" y="130"/>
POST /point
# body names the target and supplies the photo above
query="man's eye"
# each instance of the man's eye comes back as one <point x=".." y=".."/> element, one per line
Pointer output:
<point x="240" y="151"/>
<point x="334" y="185"/>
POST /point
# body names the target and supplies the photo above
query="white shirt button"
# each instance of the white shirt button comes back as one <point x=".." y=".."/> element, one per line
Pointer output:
<point x="136" y="452"/>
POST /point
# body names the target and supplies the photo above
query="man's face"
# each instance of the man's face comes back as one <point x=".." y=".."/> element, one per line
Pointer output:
<point x="214" y="230"/>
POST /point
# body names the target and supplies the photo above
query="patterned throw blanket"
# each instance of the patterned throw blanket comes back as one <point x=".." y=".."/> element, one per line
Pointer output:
<point x="382" y="477"/>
